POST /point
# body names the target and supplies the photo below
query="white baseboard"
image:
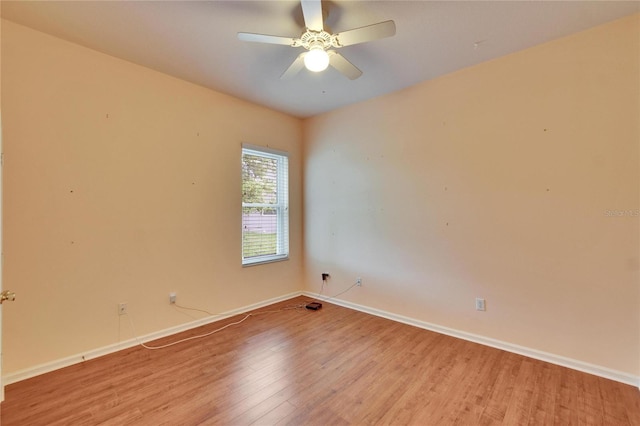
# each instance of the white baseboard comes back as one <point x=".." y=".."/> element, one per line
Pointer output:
<point x="95" y="353"/>
<point x="521" y="350"/>
<point x="585" y="367"/>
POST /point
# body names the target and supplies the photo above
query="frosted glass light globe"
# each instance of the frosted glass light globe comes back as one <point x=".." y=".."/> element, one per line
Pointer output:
<point x="316" y="59"/>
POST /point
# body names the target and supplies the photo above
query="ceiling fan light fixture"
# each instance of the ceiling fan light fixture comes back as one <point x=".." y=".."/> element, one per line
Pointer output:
<point x="320" y="45"/>
<point x="316" y="59"/>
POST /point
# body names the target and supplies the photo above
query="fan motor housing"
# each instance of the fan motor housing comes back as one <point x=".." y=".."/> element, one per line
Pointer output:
<point x="312" y="38"/>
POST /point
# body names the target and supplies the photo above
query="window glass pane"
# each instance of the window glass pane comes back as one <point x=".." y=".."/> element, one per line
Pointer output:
<point x="259" y="232"/>
<point x="260" y="179"/>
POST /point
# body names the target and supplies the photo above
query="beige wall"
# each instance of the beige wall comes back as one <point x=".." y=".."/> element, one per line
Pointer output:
<point x="494" y="182"/>
<point x="121" y="185"/>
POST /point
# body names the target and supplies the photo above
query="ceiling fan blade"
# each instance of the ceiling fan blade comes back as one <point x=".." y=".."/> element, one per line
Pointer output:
<point x="312" y="11"/>
<point x="340" y="63"/>
<point x="368" y="33"/>
<point x="264" y="38"/>
<point x="294" y="68"/>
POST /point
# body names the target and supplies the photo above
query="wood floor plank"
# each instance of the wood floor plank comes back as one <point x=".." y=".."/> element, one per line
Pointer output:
<point x="335" y="366"/>
<point x="276" y="415"/>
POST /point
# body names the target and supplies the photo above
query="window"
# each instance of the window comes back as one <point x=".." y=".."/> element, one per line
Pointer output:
<point x="265" y="205"/>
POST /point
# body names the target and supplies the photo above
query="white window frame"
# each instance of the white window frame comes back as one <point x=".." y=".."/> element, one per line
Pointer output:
<point x="281" y="206"/>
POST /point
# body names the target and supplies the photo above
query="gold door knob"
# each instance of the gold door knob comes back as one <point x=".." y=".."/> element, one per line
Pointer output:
<point x="7" y="295"/>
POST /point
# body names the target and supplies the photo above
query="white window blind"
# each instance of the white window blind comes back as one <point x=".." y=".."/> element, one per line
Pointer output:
<point x="265" y="205"/>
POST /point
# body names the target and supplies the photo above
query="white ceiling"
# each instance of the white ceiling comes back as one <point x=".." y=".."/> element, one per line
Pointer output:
<point x="196" y="40"/>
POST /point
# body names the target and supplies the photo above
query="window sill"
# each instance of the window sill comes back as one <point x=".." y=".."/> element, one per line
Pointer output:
<point x="263" y="260"/>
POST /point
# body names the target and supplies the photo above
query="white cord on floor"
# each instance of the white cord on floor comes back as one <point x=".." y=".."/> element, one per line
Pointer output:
<point x="135" y="333"/>
<point x="298" y="307"/>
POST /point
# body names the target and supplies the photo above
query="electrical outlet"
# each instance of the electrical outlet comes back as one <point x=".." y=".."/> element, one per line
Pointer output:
<point x="122" y="308"/>
<point x="480" y="304"/>
<point x="359" y="282"/>
<point x="172" y="298"/>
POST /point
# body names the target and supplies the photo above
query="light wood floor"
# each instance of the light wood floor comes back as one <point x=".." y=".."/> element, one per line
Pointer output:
<point x="331" y="367"/>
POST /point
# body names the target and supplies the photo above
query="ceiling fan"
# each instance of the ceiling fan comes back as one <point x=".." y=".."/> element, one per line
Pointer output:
<point x="319" y="44"/>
